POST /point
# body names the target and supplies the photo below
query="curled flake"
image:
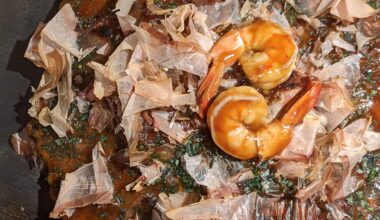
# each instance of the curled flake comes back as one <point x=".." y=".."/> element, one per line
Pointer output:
<point x="173" y="130"/>
<point x="151" y="173"/>
<point x="89" y="184"/>
<point x="124" y="90"/>
<point x="215" y="177"/>
<point x="337" y="41"/>
<point x="347" y="68"/>
<point x="32" y="51"/>
<point x="301" y="146"/>
<point x="161" y="91"/>
<point x="57" y="118"/>
<point x="60" y="32"/>
<point x="103" y="86"/>
<point x="335" y="177"/>
<point x="114" y="69"/>
<point x="227" y="12"/>
<point x="334" y="103"/>
<point x="291" y="169"/>
<point x="138" y="104"/>
<point x="350" y="9"/>
<point x="100" y="116"/>
<point x="23" y="145"/>
<point x="344" y="9"/>
<point x="166" y="202"/>
<point x="132" y="126"/>
<point x="188" y="15"/>
<point x="181" y="55"/>
<point x="242" y="207"/>
<point x="122" y="9"/>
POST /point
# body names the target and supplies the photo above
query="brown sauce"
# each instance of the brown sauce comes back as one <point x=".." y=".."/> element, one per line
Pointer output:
<point x="370" y="66"/>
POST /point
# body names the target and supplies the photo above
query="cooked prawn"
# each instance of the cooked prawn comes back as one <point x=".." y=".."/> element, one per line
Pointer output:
<point x="237" y="120"/>
<point x="266" y="52"/>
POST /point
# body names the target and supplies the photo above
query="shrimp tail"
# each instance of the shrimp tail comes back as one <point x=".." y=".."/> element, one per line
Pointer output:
<point x="209" y="86"/>
<point x="303" y="105"/>
<point x="275" y="137"/>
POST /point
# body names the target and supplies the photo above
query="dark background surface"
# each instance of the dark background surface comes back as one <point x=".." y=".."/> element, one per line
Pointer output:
<point x="20" y="195"/>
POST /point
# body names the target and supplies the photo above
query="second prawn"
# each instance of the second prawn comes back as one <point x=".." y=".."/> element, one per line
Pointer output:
<point x="265" y="50"/>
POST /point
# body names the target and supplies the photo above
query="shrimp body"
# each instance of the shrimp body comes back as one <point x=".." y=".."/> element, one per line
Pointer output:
<point x="266" y="52"/>
<point x="237" y="120"/>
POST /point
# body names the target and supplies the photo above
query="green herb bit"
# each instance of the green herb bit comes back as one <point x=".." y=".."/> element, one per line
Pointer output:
<point x="349" y="37"/>
<point x="189" y="113"/>
<point x="103" y="138"/>
<point x="172" y="5"/>
<point x="52" y="102"/>
<point x="169" y="188"/>
<point x="93" y="137"/>
<point x="290" y="13"/>
<point x="161" y="4"/>
<point x="84" y="117"/>
<point x="374" y="3"/>
<point x="251" y="185"/>
<point x="193" y="146"/>
<point x="265" y="181"/>
<point x="118" y="199"/>
<point x="287" y="185"/>
<point x="103" y="214"/>
<point x="155" y="155"/>
<point x="159" y="139"/>
<point x="73" y="109"/>
<point x="79" y="65"/>
<point x="63" y="147"/>
<point x="142" y="147"/>
<point x="370" y="167"/>
<point x="158" y="3"/>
